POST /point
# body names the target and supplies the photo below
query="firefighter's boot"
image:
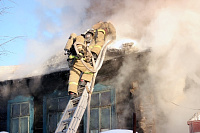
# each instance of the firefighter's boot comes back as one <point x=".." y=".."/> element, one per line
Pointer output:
<point x="72" y="95"/>
<point x="82" y="83"/>
<point x="81" y="86"/>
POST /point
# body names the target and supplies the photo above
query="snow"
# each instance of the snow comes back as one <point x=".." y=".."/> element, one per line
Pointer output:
<point x="3" y="132"/>
<point x="118" y="43"/>
<point x="195" y="117"/>
<point x="118" y="131"/>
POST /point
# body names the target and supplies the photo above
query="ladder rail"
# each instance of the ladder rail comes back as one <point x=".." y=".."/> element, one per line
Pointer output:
<point x="79" y="110"/>
<point x="77" y="114"/>
<point x="99" y="63"/>
<point x="64" y="115"/>
<point x="79" y="118"/>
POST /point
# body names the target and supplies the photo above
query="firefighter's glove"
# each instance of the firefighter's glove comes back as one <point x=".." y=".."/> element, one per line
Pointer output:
<point x="67" y="52"/>
<point x="88" y="58"/>
<point x="80" y="54"/>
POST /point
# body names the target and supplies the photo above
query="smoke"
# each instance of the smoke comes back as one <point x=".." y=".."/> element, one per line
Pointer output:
<point x="172" y="34"/>
<point x="171" y="29"/>
<point x="57" y="20"/>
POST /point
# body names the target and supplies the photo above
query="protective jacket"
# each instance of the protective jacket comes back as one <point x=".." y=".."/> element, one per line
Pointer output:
<point x="103" y="31"/>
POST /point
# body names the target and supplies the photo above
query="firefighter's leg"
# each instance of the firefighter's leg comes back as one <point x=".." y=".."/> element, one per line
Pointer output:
<point x="100" y="40"/>
<point x="86" y="77"/>
<point x="73" y="80"/>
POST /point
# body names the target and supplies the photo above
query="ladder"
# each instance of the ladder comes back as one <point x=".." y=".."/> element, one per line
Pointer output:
<point x="73" y="114"/>
<point x="75" y="108"/>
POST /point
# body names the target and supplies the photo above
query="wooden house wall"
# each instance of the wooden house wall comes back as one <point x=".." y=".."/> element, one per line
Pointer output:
<point x="35" y="87"/>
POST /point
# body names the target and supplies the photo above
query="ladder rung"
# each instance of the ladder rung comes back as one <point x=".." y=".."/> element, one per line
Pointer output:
<point x="67" y="120"/>
<point x="63" y="131"/>
<point x="71" y="109"/>
<point x="76" y="99"/>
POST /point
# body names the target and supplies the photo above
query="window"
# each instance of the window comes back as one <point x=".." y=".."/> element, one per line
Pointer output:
<point x="20" y="116"/>
<point x="54" y="105"/>
<point x="102" y="114"/>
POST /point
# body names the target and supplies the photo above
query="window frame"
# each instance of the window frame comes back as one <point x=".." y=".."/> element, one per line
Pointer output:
<point x="20" y="100"/>
<point x="99" y="88"/>
<point x="55" y="95"/>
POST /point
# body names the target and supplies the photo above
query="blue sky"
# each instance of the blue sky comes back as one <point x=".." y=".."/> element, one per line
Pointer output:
<point x="18" y="20"/>
<point x="43" y="25"/>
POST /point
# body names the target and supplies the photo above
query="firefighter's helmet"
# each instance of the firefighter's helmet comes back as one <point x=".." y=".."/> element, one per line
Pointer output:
<point x="89" y="35"/>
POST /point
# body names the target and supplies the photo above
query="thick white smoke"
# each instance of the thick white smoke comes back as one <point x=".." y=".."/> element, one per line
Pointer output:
<point x="171" y="29"/>
<point x="175" y="45"/>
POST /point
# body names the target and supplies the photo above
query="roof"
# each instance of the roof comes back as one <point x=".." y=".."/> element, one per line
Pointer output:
<point x="195" y="117"/>
<point x="7" y="71"/>
<point x="55" y="63"/>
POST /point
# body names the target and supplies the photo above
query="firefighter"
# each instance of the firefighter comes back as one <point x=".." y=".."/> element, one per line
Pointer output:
<point x="79" y="74"/>
<point x="92" y="40"/>
<point x="103" y="31"/>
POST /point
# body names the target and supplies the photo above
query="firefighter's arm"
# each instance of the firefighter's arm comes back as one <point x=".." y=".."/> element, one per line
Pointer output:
<point x="96" y="26"/>
<point x="112" y="31"/>
<point x="80" y="45"/>
<point x="70" y="42"/>
<point x="80" y="50"/>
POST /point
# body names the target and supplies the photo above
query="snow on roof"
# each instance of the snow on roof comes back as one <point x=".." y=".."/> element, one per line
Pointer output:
<point x="118" y="131"/>
<point x="8" y="69"/>
<point x="118" y="44"/>
<point x="53" y="64"/>
<point x="195" y="117"/>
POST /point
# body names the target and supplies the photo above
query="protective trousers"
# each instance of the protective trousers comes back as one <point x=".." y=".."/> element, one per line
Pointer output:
<point x="75" y="74"/>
